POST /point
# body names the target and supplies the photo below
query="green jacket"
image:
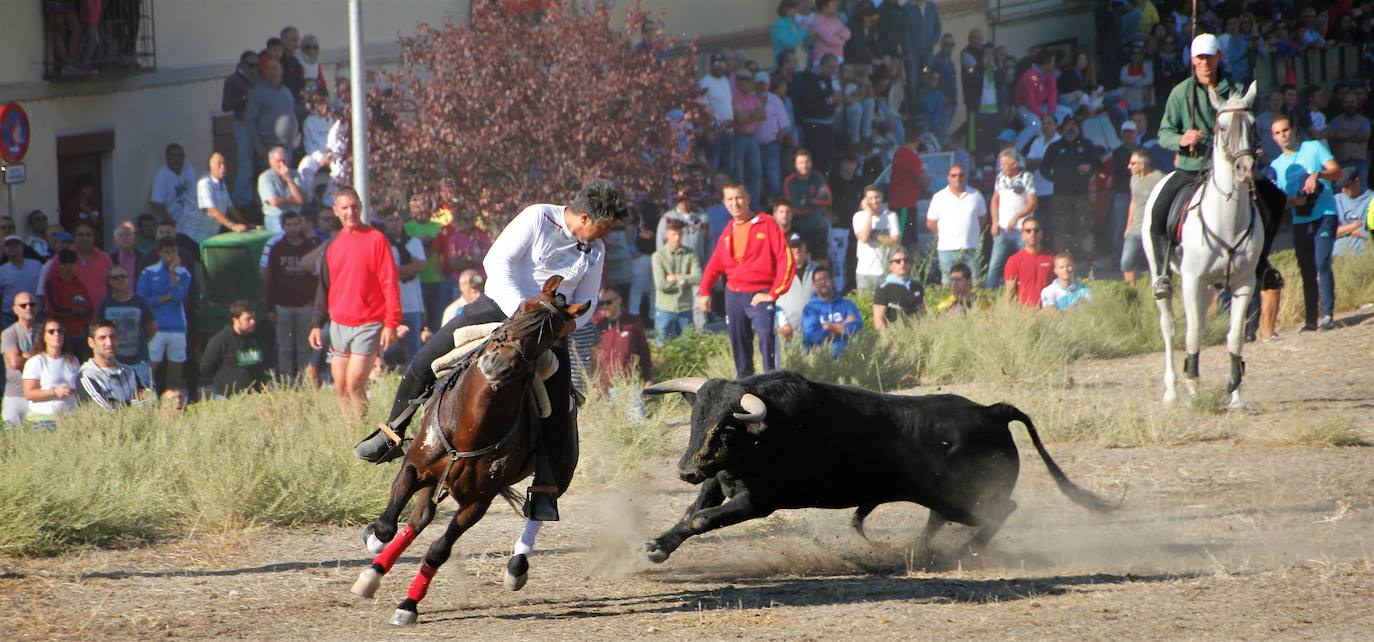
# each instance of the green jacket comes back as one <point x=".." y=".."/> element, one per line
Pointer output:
<point x="1178" y="120"/>
<point x="675" y="297"/>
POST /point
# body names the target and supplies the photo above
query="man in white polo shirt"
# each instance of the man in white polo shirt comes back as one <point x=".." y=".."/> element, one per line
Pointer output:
<point x="956" y="216"/>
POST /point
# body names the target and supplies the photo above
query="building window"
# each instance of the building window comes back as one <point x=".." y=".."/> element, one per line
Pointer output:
<point x="91" y="38"/>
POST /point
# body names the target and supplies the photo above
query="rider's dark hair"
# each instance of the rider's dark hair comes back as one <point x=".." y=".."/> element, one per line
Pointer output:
<point x="602" y="201"/>
<point x="961" y="268"/>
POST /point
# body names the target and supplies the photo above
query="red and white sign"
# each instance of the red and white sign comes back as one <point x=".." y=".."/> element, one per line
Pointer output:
<point x="14" y="133"/>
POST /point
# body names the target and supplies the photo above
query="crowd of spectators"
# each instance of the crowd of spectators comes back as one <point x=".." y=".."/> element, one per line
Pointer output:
<point x="870" y="152"/>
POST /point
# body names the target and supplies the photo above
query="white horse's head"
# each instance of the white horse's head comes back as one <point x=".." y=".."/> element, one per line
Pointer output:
<point x="1234" y="141"/>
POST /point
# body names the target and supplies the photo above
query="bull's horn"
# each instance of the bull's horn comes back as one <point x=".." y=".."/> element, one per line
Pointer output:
<point x="689" y="385"/>
<point x="754" y="409"/>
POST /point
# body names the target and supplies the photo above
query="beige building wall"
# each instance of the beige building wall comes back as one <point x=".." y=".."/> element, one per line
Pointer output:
<point x="198" y="43"/>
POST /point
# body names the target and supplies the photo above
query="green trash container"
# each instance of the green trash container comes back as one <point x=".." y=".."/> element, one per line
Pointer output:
<point x="231" y="274"/>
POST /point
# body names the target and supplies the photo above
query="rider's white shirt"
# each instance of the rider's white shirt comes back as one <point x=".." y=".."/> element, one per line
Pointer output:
<point x="535" y="246"/>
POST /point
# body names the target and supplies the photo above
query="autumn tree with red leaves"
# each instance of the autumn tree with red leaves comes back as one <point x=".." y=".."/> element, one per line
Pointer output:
<point x="526" y="109"/>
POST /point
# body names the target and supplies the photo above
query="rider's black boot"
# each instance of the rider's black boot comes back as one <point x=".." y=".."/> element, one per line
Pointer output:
<point x="378" y="448"/>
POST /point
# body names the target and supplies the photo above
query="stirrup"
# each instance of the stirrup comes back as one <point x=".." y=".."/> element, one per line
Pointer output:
<point x="1163" y="287"/>
<point x="541" y="504"/>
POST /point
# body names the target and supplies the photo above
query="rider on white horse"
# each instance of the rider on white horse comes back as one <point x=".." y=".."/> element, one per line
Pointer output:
<point x="1187" y="126"/>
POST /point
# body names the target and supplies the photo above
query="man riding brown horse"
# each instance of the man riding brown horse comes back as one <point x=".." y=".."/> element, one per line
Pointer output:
<point x="542" y="241"/>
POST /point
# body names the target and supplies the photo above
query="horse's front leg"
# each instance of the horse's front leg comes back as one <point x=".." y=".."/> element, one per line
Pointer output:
<point x="1194" y="306"/>
<point x="1235" y="339"/>
<point x="1167" y="329"/>
<point x="408" y="610"/>
<point x="371" y="577"/>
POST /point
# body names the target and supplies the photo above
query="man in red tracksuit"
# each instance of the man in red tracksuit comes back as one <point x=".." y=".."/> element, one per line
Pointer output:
<point x="359" y="296"/>
<point x="752" y="253"/>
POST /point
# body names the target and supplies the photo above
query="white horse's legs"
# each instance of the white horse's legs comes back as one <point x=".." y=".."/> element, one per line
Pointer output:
<point x="518" y="567"/>
<point x="1235" y="339"/>
<point x="1166" y="328"/>
<point x="1194" y="306"/>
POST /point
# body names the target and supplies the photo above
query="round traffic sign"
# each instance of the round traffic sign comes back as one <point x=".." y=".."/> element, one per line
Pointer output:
<point x="14" y="133"/>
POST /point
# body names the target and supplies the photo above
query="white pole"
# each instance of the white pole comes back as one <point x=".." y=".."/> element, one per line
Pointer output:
<point x="358" y="87"/>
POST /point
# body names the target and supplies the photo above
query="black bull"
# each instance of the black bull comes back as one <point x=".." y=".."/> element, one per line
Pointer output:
<point x="778" y="441"/>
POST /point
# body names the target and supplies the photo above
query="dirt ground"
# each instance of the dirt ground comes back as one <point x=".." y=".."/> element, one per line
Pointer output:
<point x="1232" y="539"/>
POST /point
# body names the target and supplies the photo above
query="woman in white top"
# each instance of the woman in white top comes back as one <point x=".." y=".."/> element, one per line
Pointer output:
<point x="878" y="232"/>
<point x="50" y="378"/>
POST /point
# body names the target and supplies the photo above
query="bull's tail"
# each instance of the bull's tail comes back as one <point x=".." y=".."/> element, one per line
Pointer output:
<point x="1074" y="492"/>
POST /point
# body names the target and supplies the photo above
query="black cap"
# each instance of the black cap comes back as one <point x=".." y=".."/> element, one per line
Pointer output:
<point x="795" y="240"/>
<point x="717" y="57"/>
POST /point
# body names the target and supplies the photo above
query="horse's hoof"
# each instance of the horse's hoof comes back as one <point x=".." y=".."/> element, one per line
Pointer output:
<point x="368" y="582"/>
<point x="654" y="553"/>
<point x="517" y="573"/>
<point x="403" y="617"/>
<point x="374" y="544"/>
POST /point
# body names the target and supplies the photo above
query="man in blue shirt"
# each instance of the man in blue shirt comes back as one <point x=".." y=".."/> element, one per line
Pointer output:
<point x="164" y="285"/>
<point x="1305" y="173"/>
<point x="828" y="318"/>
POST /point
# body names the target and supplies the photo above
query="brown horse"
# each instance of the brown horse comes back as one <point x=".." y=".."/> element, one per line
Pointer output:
<point x="474" y="442"/>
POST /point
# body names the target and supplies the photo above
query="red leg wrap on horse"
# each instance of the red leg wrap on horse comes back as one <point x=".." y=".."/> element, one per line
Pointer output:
<point x="420" y="586"/>
<point x="393" y="551"/>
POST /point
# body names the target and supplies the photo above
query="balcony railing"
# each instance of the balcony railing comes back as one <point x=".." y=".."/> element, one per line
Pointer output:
<point x="97" y="39"/>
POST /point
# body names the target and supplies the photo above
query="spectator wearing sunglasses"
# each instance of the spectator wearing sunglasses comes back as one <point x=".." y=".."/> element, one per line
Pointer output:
<point x="899" y="296"/>
<point x="956" y="216"/>
<point x="50" y="378"/>
<point x="17" y="343"/>
<point x="312" y="70"/>
<point x="623" y="341"/>
<point x="1031" y="269"/>
<point x="133" y="321"/>
<point x="17" y="274"/>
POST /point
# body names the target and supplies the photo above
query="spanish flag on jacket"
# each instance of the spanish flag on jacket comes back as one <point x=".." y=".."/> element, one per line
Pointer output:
<point x="754" y="257"/>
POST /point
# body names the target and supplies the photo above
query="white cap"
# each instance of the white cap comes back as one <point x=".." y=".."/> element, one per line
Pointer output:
<point x="1128" y="126"/>
<point x="1205" y="44"/>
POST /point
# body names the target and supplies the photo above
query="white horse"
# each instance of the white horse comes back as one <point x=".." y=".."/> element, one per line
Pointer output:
<point x="1221" y="243"/>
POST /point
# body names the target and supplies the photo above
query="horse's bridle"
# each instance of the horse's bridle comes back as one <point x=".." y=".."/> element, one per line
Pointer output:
<point x="1235" y="137"/>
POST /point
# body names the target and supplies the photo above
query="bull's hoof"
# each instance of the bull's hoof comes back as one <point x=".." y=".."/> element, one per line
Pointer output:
<point x="368" y="582"/>
<point x="403" y="617"/>
<point x="369" y="535"/>
<point x="654" y="553"/>
<point x="517" y="573"/>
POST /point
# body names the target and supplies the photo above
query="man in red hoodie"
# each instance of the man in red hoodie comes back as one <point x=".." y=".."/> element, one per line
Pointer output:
<point x="752" y="254"/>
<point x="359" y="296"/>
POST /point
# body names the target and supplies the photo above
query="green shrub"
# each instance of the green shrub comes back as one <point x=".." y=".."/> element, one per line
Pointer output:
<point x="1354" y="276"/>
<point x="689" y="354"/>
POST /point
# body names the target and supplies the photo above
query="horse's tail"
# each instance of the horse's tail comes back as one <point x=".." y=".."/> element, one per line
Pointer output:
<point x="516" y="501"/>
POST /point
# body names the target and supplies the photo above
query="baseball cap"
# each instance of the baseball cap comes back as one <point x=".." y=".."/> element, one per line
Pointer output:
<point x="717" y="57"/>
<point x="65" y="236"/>
<point x="1205" y="44"/>
<point x="794" y="240"/>
<point x="1007" y="135"/>
<point x="14" y="238"/>
<point x="762" y="77"/>
<point x="1128" y="126"/>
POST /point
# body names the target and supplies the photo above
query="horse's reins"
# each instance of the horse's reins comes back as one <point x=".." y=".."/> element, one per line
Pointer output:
<point x="1245" y="150"/>
<point x="455" y="455"/>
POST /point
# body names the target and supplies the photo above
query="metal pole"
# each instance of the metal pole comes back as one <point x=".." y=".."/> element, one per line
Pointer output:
<point x="358" y="87"/>
<point x="9" y="198"/>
